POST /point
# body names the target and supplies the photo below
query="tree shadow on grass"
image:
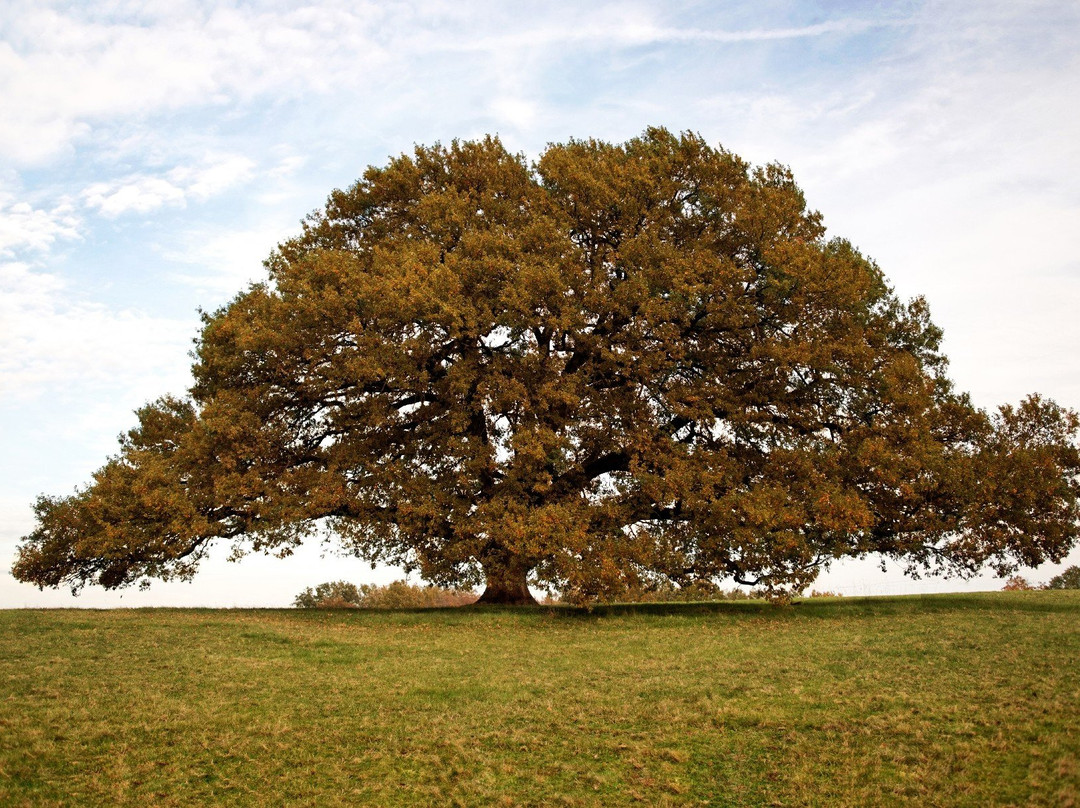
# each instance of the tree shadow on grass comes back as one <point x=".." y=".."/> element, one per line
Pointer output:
<point x="1037" y="602"/>
<point x="885" y="606"/>
<point x="1055" y="602"/>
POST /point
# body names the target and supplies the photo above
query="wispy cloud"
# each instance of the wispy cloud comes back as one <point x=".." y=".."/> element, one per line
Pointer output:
<point x="221" y="261"/>
<point x="850" y="25"/>
<point x="24" y="227"/>
<point x="48" y="341"/>
<point x="133" y="194"/>
<point x="140" y="193"/>
<point x="62" y="73"/>
<point x="609" y="32"/>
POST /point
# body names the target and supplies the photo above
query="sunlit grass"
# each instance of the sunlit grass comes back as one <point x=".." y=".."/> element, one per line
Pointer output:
<point x="941" y="700"/>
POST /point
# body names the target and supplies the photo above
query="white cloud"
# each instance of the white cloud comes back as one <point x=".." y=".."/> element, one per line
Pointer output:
<point x="288" y="165"/>
<point x="61" y="72"/>
<point x="206" y="181"/>
<point x="133" y="194"/>
<point x="24" y="227"/>
<point x="224" y="261"/>
<point x="48" y="342"/>
<point x="840" y="26"/>
<point x="609" y="28"/>
<point x="140" y="193"/>
<point x="519" y="113"/>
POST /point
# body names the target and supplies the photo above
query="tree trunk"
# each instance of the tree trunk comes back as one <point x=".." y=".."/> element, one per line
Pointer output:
<point x="506" y="582"/>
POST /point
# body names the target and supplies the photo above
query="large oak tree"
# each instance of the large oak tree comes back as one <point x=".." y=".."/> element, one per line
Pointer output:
<point x="624" y="365"/>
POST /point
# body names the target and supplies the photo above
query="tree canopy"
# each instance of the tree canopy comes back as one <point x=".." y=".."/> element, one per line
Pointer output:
<point x="623" y="365"/>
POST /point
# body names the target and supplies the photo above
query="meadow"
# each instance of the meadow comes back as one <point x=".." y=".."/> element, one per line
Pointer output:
<point x="932" y="700"/>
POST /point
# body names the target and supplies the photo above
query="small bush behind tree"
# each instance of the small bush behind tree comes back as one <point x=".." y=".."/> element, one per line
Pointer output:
<point x="332" y="594"/>
<point x="665" y="591"/>
<point x="395" y="595"/>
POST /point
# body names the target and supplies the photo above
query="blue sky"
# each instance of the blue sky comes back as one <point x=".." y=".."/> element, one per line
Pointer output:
<point x="153" y="153"/>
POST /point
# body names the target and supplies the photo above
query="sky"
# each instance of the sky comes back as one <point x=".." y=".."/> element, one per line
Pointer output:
<point x="153" y="153"/>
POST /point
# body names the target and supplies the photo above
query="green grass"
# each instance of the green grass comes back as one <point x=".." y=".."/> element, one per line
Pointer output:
<point x="941" y="700"/>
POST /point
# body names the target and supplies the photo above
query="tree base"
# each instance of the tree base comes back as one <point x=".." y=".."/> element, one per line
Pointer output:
<point x="506" y="586"/>
<point x="499" y="596"/>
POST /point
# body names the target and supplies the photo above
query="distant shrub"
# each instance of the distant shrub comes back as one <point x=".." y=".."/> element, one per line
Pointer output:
<point x="335" y="603"/>
<point x="329" y="595"/>
<point x="823" y="594"/>
<point x="1069" y="579"/>
<point x="395" y="595"/>
<point x="1017" y="583"/>
<point x="402" y="595"/>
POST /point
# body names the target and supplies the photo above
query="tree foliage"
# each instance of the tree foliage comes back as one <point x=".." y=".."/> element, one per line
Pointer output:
<point x="1068" y="579"/>
<point x="621" y="365"/>
<point x="1018" y="583"/>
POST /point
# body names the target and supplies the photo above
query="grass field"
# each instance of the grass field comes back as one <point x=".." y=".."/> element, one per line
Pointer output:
<point x="935" y="700"/>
